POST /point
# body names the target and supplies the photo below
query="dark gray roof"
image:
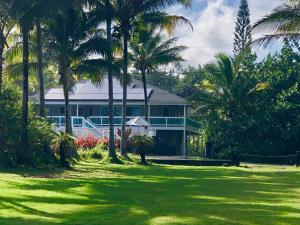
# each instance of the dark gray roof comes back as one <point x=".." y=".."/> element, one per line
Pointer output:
<point x="87" y="91"/>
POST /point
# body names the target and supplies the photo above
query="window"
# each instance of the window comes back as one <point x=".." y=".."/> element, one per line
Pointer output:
<point x="91" y="111"/>
<point x="80" y="111"/>
<point x="166" y="112"/>
<point x="61" y="110"/>
<point x="104" y="110"/>
<point x="118" y="110"/>
<point x="134" y="110"/>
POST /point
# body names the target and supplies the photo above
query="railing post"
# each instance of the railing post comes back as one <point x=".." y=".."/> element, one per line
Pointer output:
<point x="297" y="158"/>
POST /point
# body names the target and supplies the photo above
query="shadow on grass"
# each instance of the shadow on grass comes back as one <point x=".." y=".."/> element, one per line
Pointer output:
<point x="155" y="195"/>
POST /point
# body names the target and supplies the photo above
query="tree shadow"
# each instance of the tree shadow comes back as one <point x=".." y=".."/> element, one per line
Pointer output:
<point x="157" y="195"/>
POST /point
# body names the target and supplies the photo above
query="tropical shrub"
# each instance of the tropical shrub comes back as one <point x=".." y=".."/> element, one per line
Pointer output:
<point x="40" y="132"/>
<point x="142" y="146"/>
<point x="98" y="152"/>
<point x="91" y="142"/>
<point x="64" y="145"/>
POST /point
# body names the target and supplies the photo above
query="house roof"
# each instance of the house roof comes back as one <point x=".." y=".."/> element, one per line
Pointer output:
<point x="87" y="91"/>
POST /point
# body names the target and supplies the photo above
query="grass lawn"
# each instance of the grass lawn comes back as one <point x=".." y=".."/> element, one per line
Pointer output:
<point x="155" y="195"/>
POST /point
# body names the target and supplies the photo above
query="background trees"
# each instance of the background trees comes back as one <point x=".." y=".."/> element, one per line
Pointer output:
<point x="149" y="51"/>
<point x="242" y="35"/>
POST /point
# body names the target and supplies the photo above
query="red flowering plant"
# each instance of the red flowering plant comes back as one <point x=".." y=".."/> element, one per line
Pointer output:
<point x="91" y="142"/>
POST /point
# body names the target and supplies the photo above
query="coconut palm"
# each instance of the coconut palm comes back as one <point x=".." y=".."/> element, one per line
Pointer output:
<point x="103" y="12"/>
<point x="282" y="24"/>
<point x="150" y="51"/>
<point x="20" y="12"/>
<point x="63" y="144"/>
<point x="226" y="87"/>
<point x="72" y="39"/>
<point x="126" y="13"/>
<point x="6" y="26"/>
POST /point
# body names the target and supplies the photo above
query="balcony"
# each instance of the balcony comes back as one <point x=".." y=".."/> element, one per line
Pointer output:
<point x="155" y="122"/>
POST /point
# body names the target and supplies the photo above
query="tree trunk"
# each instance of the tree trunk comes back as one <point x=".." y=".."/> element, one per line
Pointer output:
<point x="143" y="159"/>
<point x="40" y="66"/>
<point x="62" y="155"/>
<point x="124" y="101"/>
<point x="67" y="109"/>
<point x="2" y="42"/>
<point x="145" y="94"/>
<point x="24" y="148"/>
<point x="111" y="144"/>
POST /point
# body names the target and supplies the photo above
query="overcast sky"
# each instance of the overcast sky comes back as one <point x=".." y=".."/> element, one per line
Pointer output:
<point x="213" y="22"/>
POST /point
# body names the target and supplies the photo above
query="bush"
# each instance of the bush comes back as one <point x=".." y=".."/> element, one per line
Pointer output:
<point x="39" y="131"/>
<point x="98" y="152"/>
<point x="91" y="142"/>
<point x="64" y="145"/>
<point x="142" y="145"/>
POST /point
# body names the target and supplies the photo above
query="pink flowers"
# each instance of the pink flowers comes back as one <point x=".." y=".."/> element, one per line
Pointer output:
<point x="91" y="142"/>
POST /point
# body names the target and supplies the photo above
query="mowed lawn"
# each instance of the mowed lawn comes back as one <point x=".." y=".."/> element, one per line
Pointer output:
<point x="155" y="195"/>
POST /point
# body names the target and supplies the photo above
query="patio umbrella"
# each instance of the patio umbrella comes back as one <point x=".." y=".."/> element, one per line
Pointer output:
<point x="138" y="122"/>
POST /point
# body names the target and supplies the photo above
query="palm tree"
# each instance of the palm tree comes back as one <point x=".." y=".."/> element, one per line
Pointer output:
<point x="73" y="38"/>
<point x="149" y="51"/>
<point x="40" y="65"/>
<point x="20" y="11"/>
<point x="226" y="87"/>
<point x="282" y="24"/>
<point x="6" y="26"/>
<point x="63" y="144"/>
<point x="126" y="14"/>
<point x="227" y="93"/>
<point x="109" y="14"/>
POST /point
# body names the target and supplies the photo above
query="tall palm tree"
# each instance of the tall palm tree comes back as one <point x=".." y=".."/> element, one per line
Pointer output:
<point x="6" y="26"/>
<point x="283" y="23"/>
<point x="226" y="87"/>
<point x="39" y="47"/>
<point x="149" y="51"/>
<point x="109" y="15"/>
<point x="103" y="12"/>
<point x="72" y="39"/>
<point x="20" y="11"/>
<point x="126" y="13"/>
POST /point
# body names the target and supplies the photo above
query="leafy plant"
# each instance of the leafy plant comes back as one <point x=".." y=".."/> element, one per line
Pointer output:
<point x="64" y="145"/>
<point x="142" y="146"/>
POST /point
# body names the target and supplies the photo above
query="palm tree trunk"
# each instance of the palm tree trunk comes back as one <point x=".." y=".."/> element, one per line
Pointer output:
<point x="40" y="66"/>
<point x="111" y="144"/>
<point x="24" y="148"/>
<point x="67" y="110"/>
<point x="2" y="43"/>
<point x="145" y="94"/>
<point x="124" y="101"/>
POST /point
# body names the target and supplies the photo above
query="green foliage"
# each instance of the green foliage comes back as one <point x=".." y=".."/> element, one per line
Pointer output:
<point x="97" y="152"/>
<point x="64" y="145"/>
<point x="10" y="116"/>
<point x="281" y="24"/>
<point x="143" y="145"/>
<point x="252" y="107"/>
<point x="40" y="132"/>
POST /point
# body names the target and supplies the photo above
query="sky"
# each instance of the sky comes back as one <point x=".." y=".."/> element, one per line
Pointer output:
<point x="213" y="22"/>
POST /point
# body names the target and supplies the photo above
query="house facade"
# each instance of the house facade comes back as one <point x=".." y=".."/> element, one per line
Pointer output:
<point x="168" y="113"/>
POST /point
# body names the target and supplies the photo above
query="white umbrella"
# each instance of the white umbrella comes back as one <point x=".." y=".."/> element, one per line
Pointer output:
<point x="138" y="121"/>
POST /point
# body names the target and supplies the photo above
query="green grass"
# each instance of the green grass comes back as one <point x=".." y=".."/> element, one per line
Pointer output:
<point x="94" y="194"/>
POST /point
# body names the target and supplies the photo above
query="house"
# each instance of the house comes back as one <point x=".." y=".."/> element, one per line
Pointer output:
<point x="168" y="113"/>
